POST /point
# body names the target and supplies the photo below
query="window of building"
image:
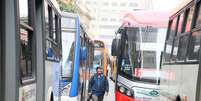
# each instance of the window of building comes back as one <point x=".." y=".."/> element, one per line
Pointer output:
<point x="113" y="19"/>
<point x="114" y="4"/>
<point x="95" y="3"/>
<point x="133" y="4"/>
<point x="104" y="19"/>
<point x="123" y="4"/>
<point x="194" y="46"/>
<point x="93" y="18"/>
<point x="88" y="2"/>
<point x="109" y="26"/>
<point x="105" y="4"/>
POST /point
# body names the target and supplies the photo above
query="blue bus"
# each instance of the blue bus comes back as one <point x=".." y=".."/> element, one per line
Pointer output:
<point x="77" y="58"/>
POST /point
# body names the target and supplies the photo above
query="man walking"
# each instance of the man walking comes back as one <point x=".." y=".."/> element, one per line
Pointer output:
<point x="98" y="85"/>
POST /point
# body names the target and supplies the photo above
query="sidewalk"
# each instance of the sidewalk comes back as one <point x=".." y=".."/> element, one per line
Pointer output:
<point x="111" y="95"/>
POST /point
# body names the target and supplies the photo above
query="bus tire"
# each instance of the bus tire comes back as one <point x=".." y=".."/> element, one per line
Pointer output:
<point x="52" y="97"/>
<point x="178" y="98"/>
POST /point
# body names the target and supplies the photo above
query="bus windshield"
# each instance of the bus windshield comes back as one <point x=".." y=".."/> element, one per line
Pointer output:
<point x="98" y="59"/>
<point x="139" y="64"/>
<point x="68" y="45"/>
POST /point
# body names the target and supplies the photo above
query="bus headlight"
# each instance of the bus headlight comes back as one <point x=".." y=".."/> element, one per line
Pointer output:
<point x="122" y="89"/>
<point x="126" y="91"/>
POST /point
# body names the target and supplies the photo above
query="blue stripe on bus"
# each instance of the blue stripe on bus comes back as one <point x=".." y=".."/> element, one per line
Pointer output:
<point x="75" y="80"/>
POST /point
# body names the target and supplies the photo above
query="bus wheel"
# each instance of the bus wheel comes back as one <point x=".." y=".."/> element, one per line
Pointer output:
<point x="178" y="98"/>
<point x="52" y="97"/>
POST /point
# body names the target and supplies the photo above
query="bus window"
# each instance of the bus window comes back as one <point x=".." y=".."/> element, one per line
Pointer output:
<point x="24" y="10"/>
<point x="46" y="19"/>
<point x="180" y="25"/>
<point x="50" y="20"/>
<point x="53" y="26"/>
<point x="57" y="29"/>
<point x="198" y="20"/>
<point x="26" y="37"/>
<point x="169" y="41"/>
<point x="175" y="49"/>
<point x="52" y="33"/>
<point x="189" y="19"/>
<point x="195" y="46"/>
<point x="182" y="49"/>
<point x="98" y="59"/>
<point x="149" y="59"/>
<point x="176" y="42"/>
<point x="26" y="53"/>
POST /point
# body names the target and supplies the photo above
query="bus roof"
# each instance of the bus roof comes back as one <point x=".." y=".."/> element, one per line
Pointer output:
<point x="143" y="18"/>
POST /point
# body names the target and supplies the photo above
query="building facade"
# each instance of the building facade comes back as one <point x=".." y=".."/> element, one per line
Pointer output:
<point x="107" y="15"/>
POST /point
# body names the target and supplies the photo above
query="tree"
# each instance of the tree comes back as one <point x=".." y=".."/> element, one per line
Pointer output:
<point x="69" y="6"/>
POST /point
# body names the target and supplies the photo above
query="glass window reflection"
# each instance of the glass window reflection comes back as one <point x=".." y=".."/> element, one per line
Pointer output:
<point x="24" y="11"/>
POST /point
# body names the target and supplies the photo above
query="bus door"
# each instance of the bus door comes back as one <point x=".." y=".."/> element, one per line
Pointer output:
<point x="1" y="48"/>
<point x="27" y="90"/>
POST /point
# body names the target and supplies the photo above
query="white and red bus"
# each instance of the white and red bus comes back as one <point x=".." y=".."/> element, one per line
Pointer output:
<point x="138" y="45"/>
<point x="181" y="72"/>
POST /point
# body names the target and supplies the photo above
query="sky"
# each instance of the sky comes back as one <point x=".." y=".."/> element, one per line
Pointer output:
<point x="165" y="4"/>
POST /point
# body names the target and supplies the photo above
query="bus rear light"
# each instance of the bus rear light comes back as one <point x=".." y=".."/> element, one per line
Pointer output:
<point x="66" y="90"/>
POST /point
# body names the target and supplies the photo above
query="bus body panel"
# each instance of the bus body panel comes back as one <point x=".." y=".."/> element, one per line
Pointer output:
<point x="142" y="91"/>
<point x="52" y="80"/>
<point x="179" y="79"/>
<point x="27" y="93"/>
<point x="122" y="97"/>
<point x="138" y="64"/>
<point x="75" y="69"/>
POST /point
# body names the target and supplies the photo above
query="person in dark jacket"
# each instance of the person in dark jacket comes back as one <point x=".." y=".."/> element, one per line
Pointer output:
<point x="98" y="85"/>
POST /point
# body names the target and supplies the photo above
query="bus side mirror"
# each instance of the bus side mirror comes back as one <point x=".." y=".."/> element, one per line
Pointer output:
<point x="83" y="53"/>
<point x="116" y="44"/>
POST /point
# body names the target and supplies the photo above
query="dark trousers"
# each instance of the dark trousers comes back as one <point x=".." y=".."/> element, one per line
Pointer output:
<point x="97" y="98"/>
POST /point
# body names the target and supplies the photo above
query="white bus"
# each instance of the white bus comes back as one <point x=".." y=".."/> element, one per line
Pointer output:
<point x="138" y="46"/>
<point x="181" y="72"/>
<point x="30" y="46"/>
<point x="53" y="50"/>
<point x="78" y="56"/>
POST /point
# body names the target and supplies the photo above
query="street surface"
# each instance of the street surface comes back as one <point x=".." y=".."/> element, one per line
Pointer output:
<point x="111" y="95"/>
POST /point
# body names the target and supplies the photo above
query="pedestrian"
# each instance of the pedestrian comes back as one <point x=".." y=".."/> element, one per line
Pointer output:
<point x="98" y="85"/>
